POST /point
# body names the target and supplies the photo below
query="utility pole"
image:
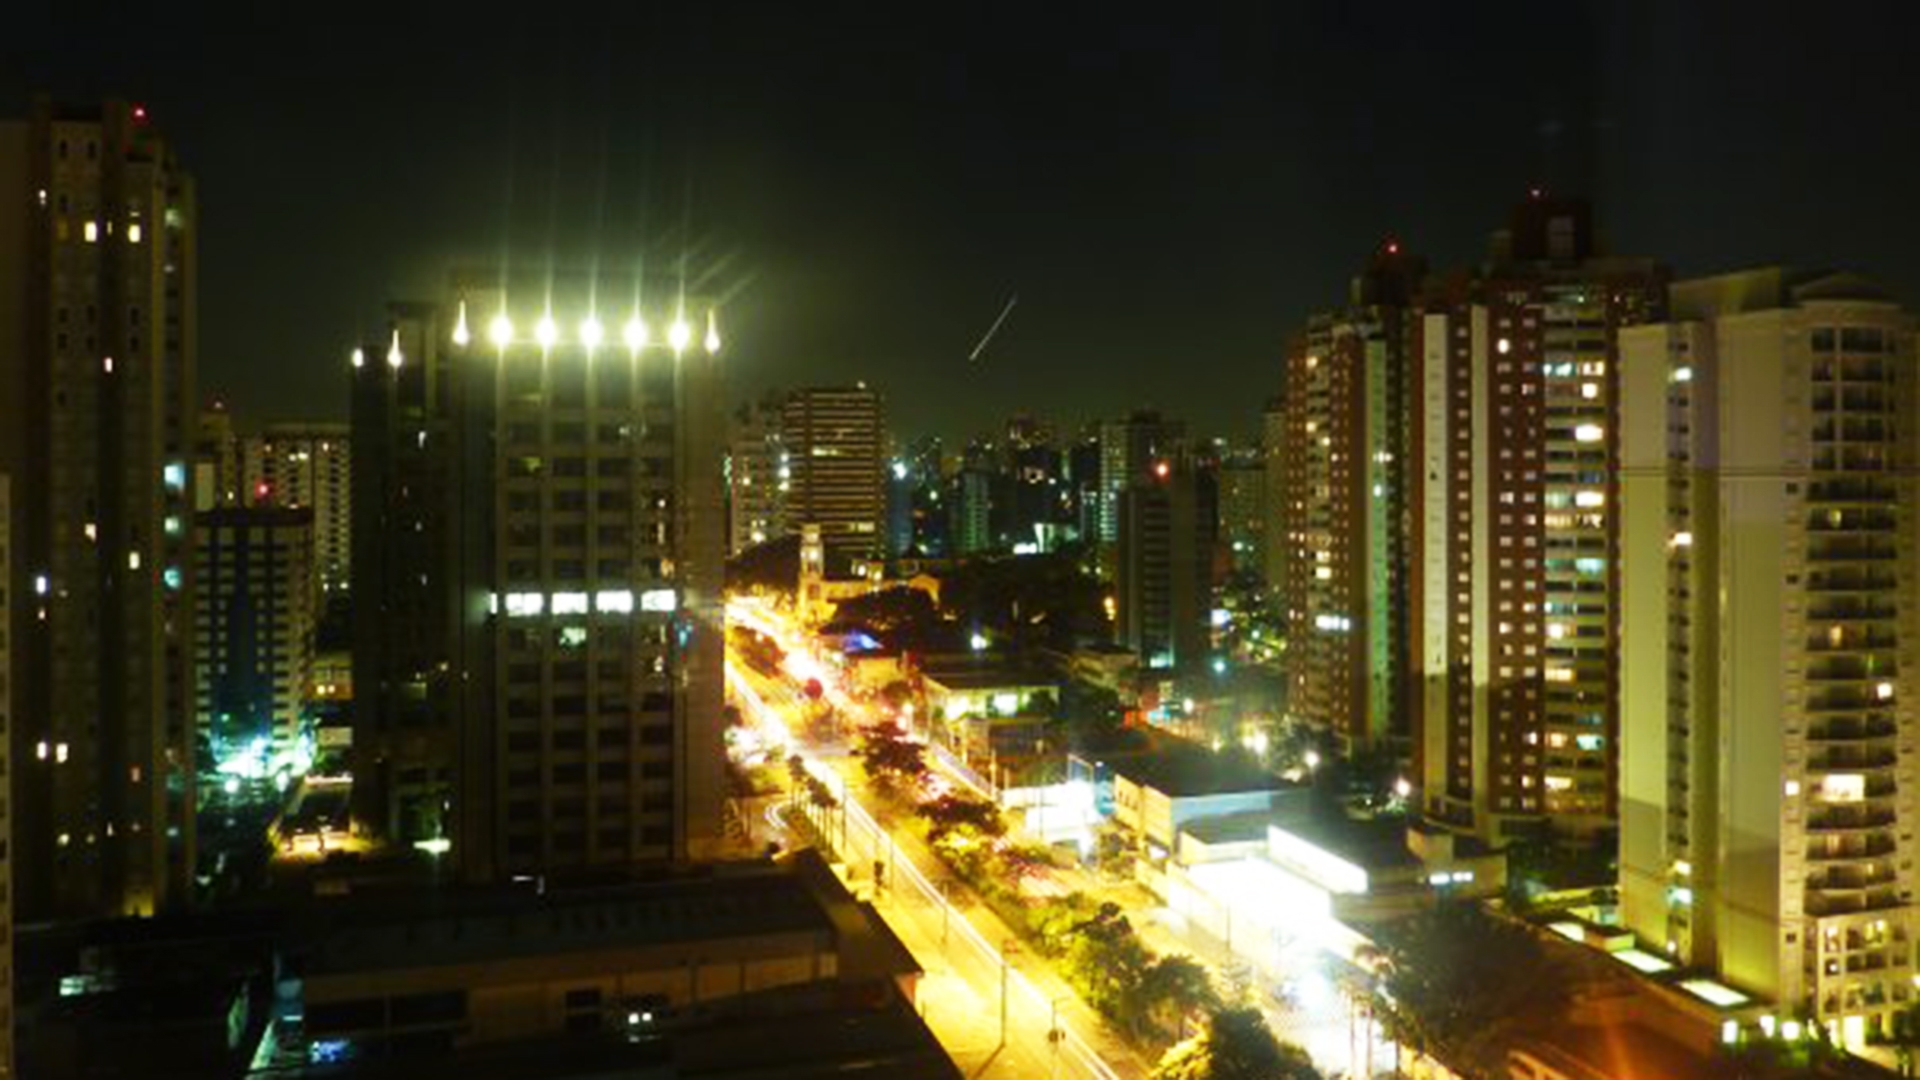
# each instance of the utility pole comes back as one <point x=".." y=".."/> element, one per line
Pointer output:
<point x="1007" y="949"/>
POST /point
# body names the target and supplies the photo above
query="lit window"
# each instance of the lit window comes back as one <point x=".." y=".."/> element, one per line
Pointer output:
<point x="613" y="600"/>
<point x="1793" y="788"/>
<point x="1589" y="390"/>
<point x="1503" y="346"/>
<point x="525" y="603"/>
<point x="133" y="560"/>
<point x="60" y="754"/>
<point x="174" y="475"/>
<point x="1588" y="433"/>
<point x="91" y="230"/>
<point x="1884" y="691"/>
<point x="1843" y="787"/>
<point x="1683" y="374"/>
<point x="657" y="600"/>
<point x="1589" y="499"/>
<point x="569" y="603"/>
<point x="133" y="233"/>
<point x="40" y="584"/>
<point x="171" y="575"/>
<point x="1683" y="539"/>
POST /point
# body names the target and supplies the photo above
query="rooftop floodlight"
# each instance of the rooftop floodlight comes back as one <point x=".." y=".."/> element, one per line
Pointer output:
<point x="546" y="332"/>
<point x="591" y="332"/>
<point x="635" y="333"/>
<point x="679" y="334"/>
<point x="500" y="330"/>
<point x="394" y="358"/>
<point x="461" y="336"/>
<point x="713" y="334"/>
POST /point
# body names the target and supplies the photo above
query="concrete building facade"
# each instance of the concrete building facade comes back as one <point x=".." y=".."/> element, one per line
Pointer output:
<point x="310" y="465"/>
<point x="1164" y="579"/>
<point x="757" y="475"/>
<point x="1345" y="458"/>
<point x="537" y="556"/>
<point x="1767" y="592"/>
<point x="835" y="440"/>
<point x="97" y="343"/>
<point x="1514" y="529"/>
<point x="253" y="635"/>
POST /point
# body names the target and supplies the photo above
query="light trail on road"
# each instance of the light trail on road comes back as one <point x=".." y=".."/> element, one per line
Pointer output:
<point x="862" y="826"/>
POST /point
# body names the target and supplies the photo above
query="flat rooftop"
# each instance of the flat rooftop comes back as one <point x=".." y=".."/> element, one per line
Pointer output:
<point x="796" y="896"/>
<point x="1184" y="770"/>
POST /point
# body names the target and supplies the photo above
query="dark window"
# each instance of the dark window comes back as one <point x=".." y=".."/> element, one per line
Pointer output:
<point x="441" y="1008"/>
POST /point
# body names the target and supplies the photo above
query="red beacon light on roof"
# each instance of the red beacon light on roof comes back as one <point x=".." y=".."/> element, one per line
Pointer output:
<point x="1393" y="247"/>
<point x="139" y="114"/>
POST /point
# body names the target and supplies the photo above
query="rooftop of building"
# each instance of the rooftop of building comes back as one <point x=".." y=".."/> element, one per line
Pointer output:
<point x="1374" y="844"/>
<point x="798" y="895"/>
<point x="1232" y="828"/>
<point x="255" y="516"/>
<point x="1184" y="770"/>
<point x="792" y="1032"/>
<point x="985" y="672"/>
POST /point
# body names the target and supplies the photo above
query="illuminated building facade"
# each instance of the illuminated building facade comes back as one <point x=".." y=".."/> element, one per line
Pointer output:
<point x="1164" y="578"/>
<point x="308" y="465"/>
<point x="757" y="475"/>
<point x="1243" y="509"/>
<point x="1767" y="560"/>
<point x="253" y="638"/>
<point x="538" y="540"/>
<point x="1345" y="455"/>
<point x="97" y="425"/>
<point x="834" y="441"/>
<point x="1514" y="529"/>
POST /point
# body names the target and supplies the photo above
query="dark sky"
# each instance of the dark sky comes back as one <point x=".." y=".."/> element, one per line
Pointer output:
<point x="1167" y="194"/>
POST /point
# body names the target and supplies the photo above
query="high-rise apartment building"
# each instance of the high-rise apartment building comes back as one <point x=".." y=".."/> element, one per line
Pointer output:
<point x="1164" y="567"/>
<point x="253" y="636"/>
<point x="1243" y="509"/>
<point x="307" y="465"/>
<point x="216" y="460"/>
<point x="757" y="475"/>
<point x="971" y="505"/>
<point x="1129" y="450"/>
<point x="1767" y="596"/>
<point x="835" y="442"/>
<point x="1344" y="450"/>
<point x="1514" y="528"/>
<point x="538" y="536"/>
<point x="97" y="424"/>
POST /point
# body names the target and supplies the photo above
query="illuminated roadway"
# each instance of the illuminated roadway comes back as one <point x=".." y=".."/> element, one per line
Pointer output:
<point x="1312" y="1013"/>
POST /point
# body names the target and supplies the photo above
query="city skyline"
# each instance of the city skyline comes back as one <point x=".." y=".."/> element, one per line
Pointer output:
<point x="1207" y="178"/>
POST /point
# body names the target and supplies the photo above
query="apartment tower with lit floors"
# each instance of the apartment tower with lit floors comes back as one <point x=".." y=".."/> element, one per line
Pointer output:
<point x="97" y="425"/>
<point x="1345" y="424"/>
<point x="1515" y="526"/>
<point x="1767" y="589"/>
<point x="539" y="528"/>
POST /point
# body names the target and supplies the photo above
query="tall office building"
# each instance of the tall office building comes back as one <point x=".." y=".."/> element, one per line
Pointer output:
<point x="253" y="635"/>
<point x="539" y="529"/>
<point x="1129" y="449"/>
<point x="834" y="439"/>
<point x="308" y="464"/>
<point x="97" y="424"/>
<point x="1345" y="455"/>
<point x="1164" y="568"/>
<point x="757" y="475"/>
<point x="6" y="827"/>
<point x="1514" y="529"/>
<point x="1767" y="594"/>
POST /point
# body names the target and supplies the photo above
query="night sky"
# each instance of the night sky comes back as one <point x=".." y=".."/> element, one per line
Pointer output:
<point x="1168" y="196"/>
